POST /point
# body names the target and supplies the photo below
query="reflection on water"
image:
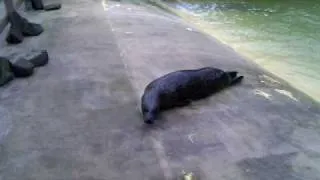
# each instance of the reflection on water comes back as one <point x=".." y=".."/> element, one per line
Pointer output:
<point x="282" y="36"/>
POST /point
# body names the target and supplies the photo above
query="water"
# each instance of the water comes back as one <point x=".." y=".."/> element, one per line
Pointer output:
<point x="281" y="36"/>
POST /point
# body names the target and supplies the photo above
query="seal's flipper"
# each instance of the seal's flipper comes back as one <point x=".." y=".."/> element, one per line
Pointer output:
<point x="236" y="80"/>
<point x="232" y="74"/>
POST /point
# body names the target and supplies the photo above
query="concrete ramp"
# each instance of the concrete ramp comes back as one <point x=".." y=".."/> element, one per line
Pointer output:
<point x="261" y="129"/>
<point x="78" y="117"/>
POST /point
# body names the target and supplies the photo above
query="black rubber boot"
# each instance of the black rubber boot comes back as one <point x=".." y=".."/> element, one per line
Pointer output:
<point x="22" y="68"/>
<point x="27" y="28"/>
<point x="37" y="58"/>
<point x="51" y="7"/>
<point x="28" y="5"/>
<point x="21" y="27"/>
<point x="5" y="71"/>
<point x="15" y="35"/>
<point x="37" y="4"/>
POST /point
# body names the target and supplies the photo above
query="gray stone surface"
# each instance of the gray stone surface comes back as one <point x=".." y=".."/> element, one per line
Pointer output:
<point x="78" y="118"/>
<point x="261" y="129"/>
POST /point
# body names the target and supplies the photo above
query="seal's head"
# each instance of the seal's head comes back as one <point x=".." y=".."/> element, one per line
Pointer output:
<point x="148" y="118"/>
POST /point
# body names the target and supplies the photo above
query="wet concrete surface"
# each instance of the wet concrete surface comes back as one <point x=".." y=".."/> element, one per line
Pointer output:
<point x="79" y="118"/>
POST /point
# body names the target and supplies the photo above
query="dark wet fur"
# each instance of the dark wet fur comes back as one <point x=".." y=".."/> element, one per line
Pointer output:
<point x="179" y="88"/>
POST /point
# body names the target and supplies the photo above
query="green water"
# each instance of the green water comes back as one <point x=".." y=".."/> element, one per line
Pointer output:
<point x="282" y="36"/>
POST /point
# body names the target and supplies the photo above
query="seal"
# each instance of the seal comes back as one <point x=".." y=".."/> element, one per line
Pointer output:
<point x="179" y="88"/>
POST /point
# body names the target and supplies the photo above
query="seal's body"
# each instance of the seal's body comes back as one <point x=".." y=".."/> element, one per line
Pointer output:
<point x="179" y="88"/>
